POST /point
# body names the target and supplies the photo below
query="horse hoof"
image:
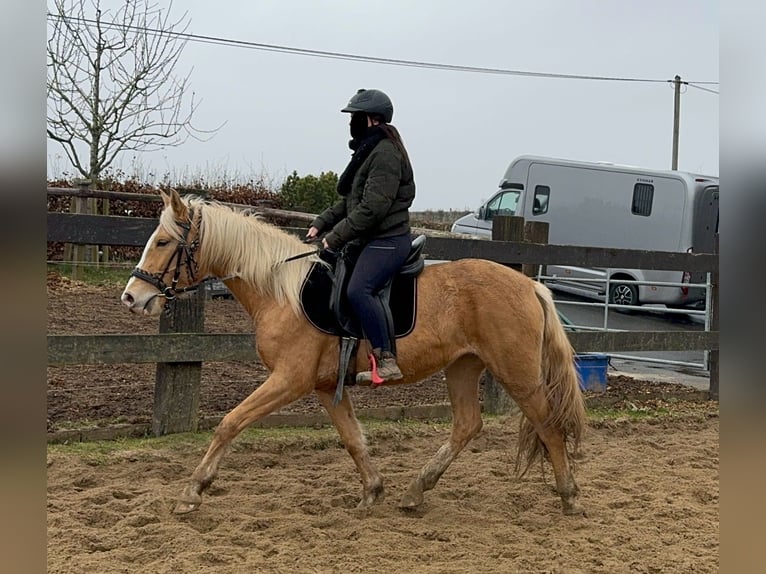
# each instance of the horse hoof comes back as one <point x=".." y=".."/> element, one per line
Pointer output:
<point x="574" y="510"/>
<point x="410" y="501"/>
<point x="185" y="508"/>
<point x="189" y="502"/>
<point x="364" y="504"/>
<point x="368" y="500"/>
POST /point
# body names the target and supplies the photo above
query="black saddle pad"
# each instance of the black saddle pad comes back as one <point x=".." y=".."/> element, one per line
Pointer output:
<point x="315" y="301"/>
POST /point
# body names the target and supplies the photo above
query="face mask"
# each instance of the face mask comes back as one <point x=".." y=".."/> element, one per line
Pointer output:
<point x="358" y="125"/>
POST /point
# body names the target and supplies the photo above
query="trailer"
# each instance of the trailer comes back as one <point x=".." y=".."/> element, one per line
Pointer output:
<point x="600" y="204"/>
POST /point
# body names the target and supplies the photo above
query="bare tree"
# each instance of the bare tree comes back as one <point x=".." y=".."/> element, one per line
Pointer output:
<point x="110" y="84"/>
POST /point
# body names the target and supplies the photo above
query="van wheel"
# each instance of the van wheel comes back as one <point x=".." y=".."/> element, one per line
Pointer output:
<point x="621" y="294"/>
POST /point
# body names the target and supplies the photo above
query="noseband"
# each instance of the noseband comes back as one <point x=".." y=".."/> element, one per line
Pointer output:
<point x="182" y="257"/>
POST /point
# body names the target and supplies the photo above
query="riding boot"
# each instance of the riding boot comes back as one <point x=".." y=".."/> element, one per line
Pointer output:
<point x="383" y="368"/>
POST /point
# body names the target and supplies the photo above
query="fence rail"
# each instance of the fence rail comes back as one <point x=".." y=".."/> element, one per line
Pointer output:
<point x="195" y="347"/>
<point x="168" y="348"/>
<point x="134" y="231"/>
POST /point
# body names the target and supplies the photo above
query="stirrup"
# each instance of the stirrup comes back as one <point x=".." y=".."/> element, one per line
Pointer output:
<point x="348" y="346"/>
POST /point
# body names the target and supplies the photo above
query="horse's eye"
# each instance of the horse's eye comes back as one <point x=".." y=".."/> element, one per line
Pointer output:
<point x="162" y="242"/>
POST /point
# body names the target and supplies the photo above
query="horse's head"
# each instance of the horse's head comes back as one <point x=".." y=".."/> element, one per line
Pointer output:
<point x="167" y="266"/>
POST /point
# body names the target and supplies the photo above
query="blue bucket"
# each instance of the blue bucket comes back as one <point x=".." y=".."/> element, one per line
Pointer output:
<point x="591" y="370"/>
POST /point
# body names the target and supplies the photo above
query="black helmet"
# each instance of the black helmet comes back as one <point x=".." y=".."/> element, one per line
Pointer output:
<point x="371" y="102"/>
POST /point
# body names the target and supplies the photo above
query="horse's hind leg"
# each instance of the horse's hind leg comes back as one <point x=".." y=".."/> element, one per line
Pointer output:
<point x="350" y="432"/>
<point x="463" y="386"/>
<point x="536" y="409"/>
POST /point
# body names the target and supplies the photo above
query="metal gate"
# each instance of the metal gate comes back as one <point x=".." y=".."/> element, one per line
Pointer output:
<point x="604" y="304"/>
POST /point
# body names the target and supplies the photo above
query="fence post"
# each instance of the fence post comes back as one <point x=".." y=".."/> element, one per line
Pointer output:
<point x="79" y="205"/>
<point x="714" y="314"/>
<point x="176" y="389"/>
<point x="508" y="228"/>
<point x="91" y="251"/>
<point x="105" y="248"/>
<point x="496" y="400"/>
<point x="534" y="232"/>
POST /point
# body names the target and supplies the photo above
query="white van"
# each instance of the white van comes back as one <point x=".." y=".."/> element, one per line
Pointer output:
<point x="607" y="205"/>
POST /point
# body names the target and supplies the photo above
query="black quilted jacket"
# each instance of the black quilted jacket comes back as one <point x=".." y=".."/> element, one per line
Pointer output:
<point x="378" y="203"/>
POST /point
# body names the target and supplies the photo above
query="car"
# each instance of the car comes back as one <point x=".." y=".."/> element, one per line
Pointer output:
<point x="216" y="289"/>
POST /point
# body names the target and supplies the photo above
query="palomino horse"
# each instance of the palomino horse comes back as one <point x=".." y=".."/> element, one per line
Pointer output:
<point x="472" y="314"/>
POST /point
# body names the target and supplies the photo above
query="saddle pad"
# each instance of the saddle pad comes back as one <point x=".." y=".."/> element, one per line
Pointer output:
<point x="315" y="302"/>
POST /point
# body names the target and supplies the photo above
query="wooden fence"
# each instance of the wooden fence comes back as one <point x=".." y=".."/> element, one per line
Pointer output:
<point x="179" y="351"/>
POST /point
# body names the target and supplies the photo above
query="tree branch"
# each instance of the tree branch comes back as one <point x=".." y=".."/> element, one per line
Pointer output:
<point x="111" y="81"/>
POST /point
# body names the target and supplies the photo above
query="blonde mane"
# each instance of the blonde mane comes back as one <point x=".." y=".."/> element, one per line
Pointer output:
<point x="242" y="245"/>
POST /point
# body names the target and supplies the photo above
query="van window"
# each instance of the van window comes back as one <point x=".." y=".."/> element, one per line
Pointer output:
<point x="643" y="194"/>
<point x="540" y="201"/>
<point x="502" y="204"/>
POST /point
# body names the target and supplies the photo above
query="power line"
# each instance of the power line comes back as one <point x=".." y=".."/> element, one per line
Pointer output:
<point x="701" y="88"/>
<point x="205" y="39"/>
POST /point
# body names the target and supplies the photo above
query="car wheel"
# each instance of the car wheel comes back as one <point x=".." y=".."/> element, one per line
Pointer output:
<point x="621" y="294"/>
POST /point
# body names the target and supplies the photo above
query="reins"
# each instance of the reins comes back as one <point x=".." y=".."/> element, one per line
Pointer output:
<point x="306" y="254"/>
<point x="301" y="256"/>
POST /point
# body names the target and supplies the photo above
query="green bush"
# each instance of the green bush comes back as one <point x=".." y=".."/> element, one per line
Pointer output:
<point x="309" y="194"/>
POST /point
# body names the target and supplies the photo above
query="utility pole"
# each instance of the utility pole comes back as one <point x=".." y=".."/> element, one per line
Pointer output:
<point x="676" y="120"/>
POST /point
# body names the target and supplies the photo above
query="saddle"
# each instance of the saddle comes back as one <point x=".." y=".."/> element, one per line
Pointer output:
<point x="324" y="302"/>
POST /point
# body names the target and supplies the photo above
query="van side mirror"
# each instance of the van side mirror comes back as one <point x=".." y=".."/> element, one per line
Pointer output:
<point x="482" y="212"/>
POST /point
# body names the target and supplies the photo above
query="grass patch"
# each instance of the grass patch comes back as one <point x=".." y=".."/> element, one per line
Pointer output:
<point x="102" y="449"/>
<point x="102" y="276"/>
<point x="600" y="414"/>
<point x="278" y="439"/>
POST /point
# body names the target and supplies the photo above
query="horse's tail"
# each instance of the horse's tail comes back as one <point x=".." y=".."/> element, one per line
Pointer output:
<point x="562" y="389"/>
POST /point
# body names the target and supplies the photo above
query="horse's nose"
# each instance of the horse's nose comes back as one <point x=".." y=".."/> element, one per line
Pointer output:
<point x="128" y="299"/>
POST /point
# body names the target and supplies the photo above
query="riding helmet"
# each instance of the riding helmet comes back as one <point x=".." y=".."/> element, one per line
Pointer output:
<point x="371" y="102"/>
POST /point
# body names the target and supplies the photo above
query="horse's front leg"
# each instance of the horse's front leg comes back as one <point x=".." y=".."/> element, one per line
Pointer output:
<point x="351" y="434"/>
<point x="276" y="392"/>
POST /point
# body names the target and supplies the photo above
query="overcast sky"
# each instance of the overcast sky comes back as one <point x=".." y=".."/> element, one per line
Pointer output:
<point x="461" y="129"/>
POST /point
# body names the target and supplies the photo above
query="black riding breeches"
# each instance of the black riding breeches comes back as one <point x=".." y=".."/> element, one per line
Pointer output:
<point x="378" y="262"/>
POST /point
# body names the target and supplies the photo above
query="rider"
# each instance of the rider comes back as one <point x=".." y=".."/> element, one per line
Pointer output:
<point x="376" y="188"/>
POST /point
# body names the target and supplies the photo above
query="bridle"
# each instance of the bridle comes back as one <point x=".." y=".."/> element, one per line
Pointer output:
<point x="182" y="257"/>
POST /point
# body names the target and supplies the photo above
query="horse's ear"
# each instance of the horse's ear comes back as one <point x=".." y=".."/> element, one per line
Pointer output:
<point x="166" y="197"/>
<point x="173" y="200"/>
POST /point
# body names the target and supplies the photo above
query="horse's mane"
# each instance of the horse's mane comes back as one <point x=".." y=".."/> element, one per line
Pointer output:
<point x="248" y="247"/>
